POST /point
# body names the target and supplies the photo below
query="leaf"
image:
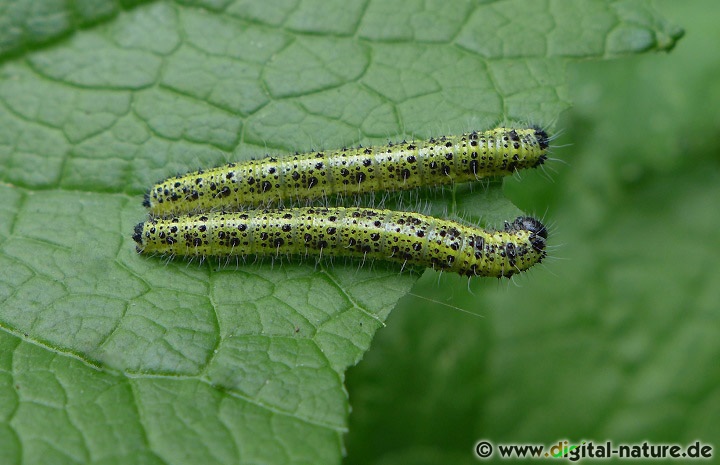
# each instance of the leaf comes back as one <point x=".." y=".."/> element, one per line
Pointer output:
<point x="109" y="357"/>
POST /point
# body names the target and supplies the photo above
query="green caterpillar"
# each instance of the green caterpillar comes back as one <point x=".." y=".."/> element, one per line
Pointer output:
<point x="315" y="175"/>
<point x="402" y="237"/>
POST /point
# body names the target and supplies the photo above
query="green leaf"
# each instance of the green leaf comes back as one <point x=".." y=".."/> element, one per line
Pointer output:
<point x="110" y="357"/>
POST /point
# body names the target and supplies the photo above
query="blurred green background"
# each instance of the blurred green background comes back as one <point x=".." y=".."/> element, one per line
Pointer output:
<point x="617" y="336"/>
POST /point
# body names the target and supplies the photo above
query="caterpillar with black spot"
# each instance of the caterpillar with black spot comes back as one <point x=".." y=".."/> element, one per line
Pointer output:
<point x="402" y="237"/>
<point x="316" y="175"/>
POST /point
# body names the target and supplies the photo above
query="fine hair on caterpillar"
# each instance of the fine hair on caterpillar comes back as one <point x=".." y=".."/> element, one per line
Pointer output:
<point x="304" y="178"/>
<point x="402" y="237"/>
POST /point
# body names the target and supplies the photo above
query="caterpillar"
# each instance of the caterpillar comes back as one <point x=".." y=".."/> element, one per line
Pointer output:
<point x="401" y="237"/>
<point x="314" y="175"/>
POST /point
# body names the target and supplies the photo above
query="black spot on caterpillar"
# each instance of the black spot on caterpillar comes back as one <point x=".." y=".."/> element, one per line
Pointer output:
<point x="402" y="237"/>
<point x="315" y="175"/>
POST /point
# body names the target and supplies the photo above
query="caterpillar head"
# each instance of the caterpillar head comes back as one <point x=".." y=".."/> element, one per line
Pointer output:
<point x="542" y="137"/>
<point x="138" y="237"/>
<point x="538" y="231"/>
